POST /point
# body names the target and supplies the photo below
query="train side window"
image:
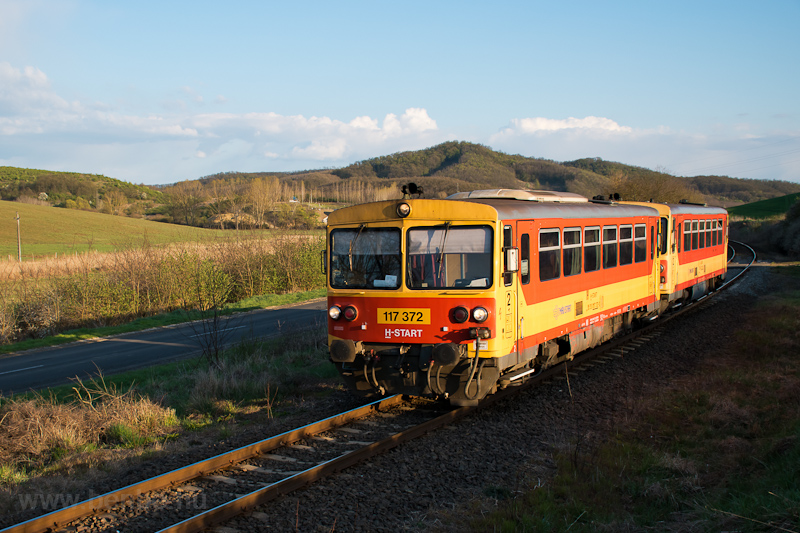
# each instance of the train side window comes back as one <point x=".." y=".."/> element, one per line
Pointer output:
<point x="549" y="254"/>
<point x="701" y="234"/>
<point x="508" y="242"/>
<point x="694" y="235"/>
<point x="720" y="238"/>
<point x="625" y="245"/>
<point x="572" y="251"/>
<point x="652" y="242"/>
<point x="525" y="258"/>
<point x="640" y="242"/>
<point x="591" y="249"/>
<point x="687" y="235"/>
<point x="713" y="233"/>
<point x="708" y="233"/>
<point x="609" y="246"/>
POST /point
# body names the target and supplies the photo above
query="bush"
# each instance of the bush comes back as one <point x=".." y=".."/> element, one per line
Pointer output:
<point x="145" y="281"/>
<point x="8" y="324"/>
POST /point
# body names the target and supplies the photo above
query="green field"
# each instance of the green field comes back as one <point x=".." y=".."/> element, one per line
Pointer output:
<point x="50" y="230"/>
<point x="772" y="208"/>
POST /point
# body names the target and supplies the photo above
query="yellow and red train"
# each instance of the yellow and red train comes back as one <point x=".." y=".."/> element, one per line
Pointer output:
<point x="453" y="297"/>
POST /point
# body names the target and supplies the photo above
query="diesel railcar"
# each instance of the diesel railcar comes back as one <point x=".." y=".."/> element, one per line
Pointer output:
<point x="455" y="297"/>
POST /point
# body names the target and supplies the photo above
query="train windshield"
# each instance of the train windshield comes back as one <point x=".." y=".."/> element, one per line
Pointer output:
<point x="449" y="257"/>
<point x="365" y="258"/>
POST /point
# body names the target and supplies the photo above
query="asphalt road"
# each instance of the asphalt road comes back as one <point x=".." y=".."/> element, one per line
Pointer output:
<point x="38" y="369"/>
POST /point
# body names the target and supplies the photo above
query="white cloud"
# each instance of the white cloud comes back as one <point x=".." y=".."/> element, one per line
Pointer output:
<point x="40" y="129"/>
<point x="26" y="91"/>
<point x="322" y="150"/>
<point x="592" y="126"/>
<point x="739" y="152"/>
<point x="36" y="125"/>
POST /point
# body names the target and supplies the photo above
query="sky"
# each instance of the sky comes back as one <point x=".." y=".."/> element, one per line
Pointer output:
<point x="159" y="92"/>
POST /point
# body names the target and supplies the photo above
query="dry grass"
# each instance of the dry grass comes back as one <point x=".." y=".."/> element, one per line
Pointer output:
<point x="39" y="299"/>
<point x="35" y="433"/>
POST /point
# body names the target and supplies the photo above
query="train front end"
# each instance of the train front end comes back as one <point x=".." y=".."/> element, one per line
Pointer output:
<point x="412" y="298"/>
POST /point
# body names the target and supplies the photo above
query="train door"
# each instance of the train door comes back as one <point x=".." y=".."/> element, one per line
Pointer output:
<point x="526" y="241"/>
<point x="661" y="254"/>
<point x="673" y="254"/>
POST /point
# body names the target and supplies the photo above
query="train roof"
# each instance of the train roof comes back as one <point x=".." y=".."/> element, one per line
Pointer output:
<point x="695" y="209"/>
<point x="518" y="194"/>
<point x="508" y="209"/>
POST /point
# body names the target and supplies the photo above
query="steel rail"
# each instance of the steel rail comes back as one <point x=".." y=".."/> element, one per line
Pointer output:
<point x="263" y="495"/>
<point x="745" y="268"/>
<point x="62" y="517"/>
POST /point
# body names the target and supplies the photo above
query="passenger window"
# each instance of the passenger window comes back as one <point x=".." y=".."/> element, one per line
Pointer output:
<point x="694" y="235"/>
<point x="525" y="259"/>
<point x="572" y="251"/>
<point x="591" y="249"/>
<point x="720" y="237"/>
<point x="549" y="254"/>
<point x="640" y="242"/>
<point x="713" y="232"/>
<point x="609" y="246"/>
<point x="625" y="245"/>
<point x="687" y="235"/>
<point x="708" y="233"/>
<point x="701" y="234"/>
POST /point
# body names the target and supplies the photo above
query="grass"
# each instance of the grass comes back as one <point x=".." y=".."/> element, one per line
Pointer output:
<point x="51" y="437"/>
<point x="165" y="319"/>
<point x="720" y="452"/>
<point x="765" y="209"/>
<point x="49" y="230"/>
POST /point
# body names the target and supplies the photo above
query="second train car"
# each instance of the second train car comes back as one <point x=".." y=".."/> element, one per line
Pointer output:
<point x="455" y="297"/>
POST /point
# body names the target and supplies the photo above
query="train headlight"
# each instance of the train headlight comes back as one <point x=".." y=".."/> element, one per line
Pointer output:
<point x="350" y="313"/>
<point x="479" y="314"/>
<point x="460" y="314"/>
<point x="403" y="210"/>
<point x="334" y="312"/>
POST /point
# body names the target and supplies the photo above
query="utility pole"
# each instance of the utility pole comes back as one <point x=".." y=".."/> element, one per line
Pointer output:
<point x="19" y="241"/>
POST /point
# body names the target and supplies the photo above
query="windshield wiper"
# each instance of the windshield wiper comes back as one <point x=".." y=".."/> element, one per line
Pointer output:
<point x="444" y="241"/>
<point x="352" y="245"/>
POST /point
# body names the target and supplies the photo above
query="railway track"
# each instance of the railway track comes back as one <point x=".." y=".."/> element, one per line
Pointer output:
<point x="212" y="491"/>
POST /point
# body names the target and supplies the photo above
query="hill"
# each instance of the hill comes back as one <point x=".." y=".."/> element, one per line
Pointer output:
<point x="298" y="199"/>
<point x="771" y="208"/>
<point x="76" y="190"/>
<point x="48" y="231"/>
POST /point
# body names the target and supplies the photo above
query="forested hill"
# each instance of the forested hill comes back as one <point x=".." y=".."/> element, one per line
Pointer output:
<point x="298" y="199"/>
<point x="461" y="166"/>
<point x="75" y="190"/>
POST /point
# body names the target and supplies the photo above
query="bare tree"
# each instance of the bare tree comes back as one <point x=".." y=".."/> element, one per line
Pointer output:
<point x="187" y="198"/>
<point x="115" y="200"/>
<point x="263" y="194"/>
<point x="211" y="288"/>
